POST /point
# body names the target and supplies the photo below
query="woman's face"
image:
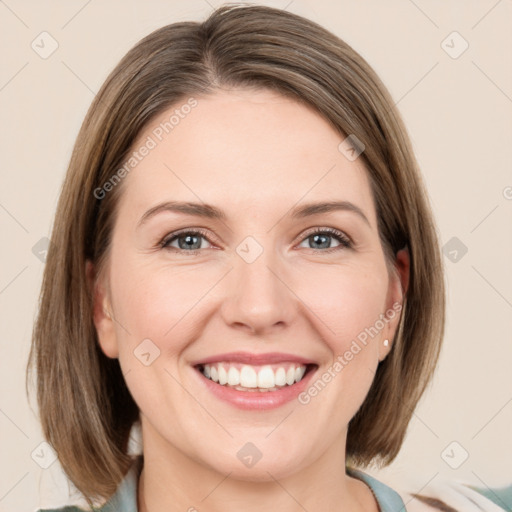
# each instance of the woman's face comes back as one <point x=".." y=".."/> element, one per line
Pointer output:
<point x="257" y="281"/>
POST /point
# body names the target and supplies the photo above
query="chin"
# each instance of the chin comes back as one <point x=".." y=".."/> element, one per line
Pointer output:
<point x="266" y="469"/>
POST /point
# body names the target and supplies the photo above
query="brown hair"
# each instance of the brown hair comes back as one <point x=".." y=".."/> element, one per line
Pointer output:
<point x="85" y="407"/>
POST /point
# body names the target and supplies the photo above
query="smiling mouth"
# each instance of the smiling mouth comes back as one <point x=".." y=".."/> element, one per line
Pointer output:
<point x="261" y="378"/>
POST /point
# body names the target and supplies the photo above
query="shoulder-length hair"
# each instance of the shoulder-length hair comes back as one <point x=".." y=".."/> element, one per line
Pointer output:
<point x="85" y="408"/>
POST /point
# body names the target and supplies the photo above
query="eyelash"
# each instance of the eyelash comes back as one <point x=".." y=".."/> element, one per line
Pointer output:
<point x="345" y="242"/>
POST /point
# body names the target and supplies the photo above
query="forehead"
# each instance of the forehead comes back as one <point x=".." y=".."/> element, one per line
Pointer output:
<point x="243" y="149"/>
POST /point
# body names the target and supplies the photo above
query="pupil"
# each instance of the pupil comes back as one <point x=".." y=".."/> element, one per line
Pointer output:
<point x="317" y="237"/>
<point x="189" y="242"/>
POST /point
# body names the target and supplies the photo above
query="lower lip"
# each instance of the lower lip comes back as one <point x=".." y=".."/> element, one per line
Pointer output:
<point x="259" y="400"/>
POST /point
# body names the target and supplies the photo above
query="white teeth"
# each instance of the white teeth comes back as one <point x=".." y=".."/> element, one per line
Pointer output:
<point x="266" y="378"/>
<point x="290" y="376"/>
<point x="233" y="377"/>
<point x="299" y="373"/>
<point x="247" y="377"/>
<point x="223" y="376"/>
<point x="280" y="377"/>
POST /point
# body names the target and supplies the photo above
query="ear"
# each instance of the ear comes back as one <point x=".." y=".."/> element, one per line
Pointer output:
<point x="102" y="312"/>
<point x="403" y="267"/>
<point x="398" y="286"/>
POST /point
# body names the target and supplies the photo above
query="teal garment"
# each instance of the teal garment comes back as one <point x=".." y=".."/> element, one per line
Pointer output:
<point x="388" y="499"/>
<point x="125" y="498"/>
<point x="501" y="496"/>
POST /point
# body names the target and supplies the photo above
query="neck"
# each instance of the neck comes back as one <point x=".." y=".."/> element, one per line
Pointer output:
<point x="172" y="481"/>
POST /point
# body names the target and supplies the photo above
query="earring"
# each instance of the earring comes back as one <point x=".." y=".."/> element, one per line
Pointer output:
<point x="386" y="343"/>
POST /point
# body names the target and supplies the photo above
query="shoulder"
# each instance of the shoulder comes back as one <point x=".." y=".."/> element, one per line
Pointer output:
<point x="502" y="496"/>
<point x="456" y="496"/>
<point x="438" y="495"/>
<point x="124" y="500"/>
<point x="387" y="498"/>
<point x="63" y="509"/>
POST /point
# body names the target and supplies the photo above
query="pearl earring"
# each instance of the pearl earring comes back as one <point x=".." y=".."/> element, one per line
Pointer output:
<point x="386" y="343"/>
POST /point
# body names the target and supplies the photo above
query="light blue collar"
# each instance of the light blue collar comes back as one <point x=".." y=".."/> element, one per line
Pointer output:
<point x="388" y="499"/>
<point x="125" y="498"/>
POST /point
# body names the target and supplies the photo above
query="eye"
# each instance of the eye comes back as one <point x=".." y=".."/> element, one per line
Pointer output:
<point x="188" y="240"/>
<point x="321" y="239"/>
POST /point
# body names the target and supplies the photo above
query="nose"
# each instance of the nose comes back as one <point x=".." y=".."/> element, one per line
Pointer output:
<point x="258" y="299"/>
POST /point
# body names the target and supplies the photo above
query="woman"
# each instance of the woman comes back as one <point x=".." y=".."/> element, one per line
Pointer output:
<point x="245" y="263"/>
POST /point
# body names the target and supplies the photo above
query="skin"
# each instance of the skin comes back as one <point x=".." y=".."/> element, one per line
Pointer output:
<point x="255" y="155"/>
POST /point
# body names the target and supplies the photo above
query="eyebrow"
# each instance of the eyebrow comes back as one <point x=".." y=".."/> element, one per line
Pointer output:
<point x="212" y="212"/>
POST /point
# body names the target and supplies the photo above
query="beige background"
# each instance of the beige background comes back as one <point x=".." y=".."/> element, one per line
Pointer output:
<point x="459" y="115"/>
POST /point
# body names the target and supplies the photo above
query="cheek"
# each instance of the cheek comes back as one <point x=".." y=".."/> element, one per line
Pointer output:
<point x="345" y="300"/>
<point x="156" y="305"/>
<point x="158" y="301"/>
<point x="347" y="303"/>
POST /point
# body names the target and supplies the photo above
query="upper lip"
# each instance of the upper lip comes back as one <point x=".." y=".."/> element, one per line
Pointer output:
<point x="254" y="359"/>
